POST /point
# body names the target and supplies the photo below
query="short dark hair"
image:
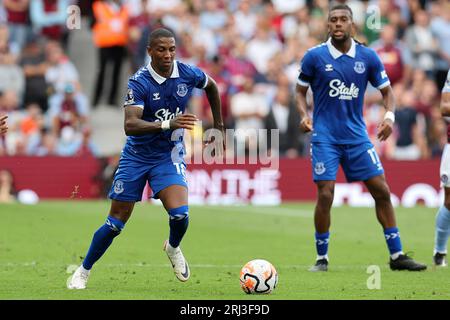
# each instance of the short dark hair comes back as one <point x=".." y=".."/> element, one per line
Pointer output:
<point x="341" y="7"/>
<point x="159" y="33"/>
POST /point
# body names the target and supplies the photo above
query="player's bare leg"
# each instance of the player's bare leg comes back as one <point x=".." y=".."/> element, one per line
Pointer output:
<point x="322" y="221"/>
<point x="119" y="214"/>
<point x="121" y="210"/>
<point x="379" y="190"/>
<point x="175" y="201"/>
<point x="325" y="196"/>
<point x="442" y="231"/>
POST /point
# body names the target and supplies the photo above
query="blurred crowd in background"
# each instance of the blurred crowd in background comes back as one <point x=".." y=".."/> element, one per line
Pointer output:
<point x="252" y="48"/>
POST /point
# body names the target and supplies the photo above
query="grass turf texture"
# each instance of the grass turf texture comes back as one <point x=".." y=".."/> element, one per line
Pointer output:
<point x="39" y="243"/>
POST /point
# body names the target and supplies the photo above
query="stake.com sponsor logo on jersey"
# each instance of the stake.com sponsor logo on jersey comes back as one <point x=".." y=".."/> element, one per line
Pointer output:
<point x="338" y="87"/>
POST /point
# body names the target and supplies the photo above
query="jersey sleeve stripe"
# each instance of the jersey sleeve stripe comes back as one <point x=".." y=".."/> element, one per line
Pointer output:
<point x="302" y="83"/>
<point x="134" y="105"/>
<point x="206" y="81"/>
<point x="383" y="85"/>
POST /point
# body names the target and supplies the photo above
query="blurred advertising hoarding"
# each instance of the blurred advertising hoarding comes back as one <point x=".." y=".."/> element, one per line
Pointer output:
<point x="410" y="182"/>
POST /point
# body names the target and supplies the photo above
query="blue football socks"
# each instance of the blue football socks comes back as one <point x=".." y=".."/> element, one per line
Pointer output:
<point x="392" y="236"/>
<point x="442" y="230"/>
<point x="322" y="240"/>
<point x="102" y="239"/>
<point x="178" y="222"/>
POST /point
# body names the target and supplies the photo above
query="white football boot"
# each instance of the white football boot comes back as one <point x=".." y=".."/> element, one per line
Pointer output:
<point x="79" y="278"/>
<point x="179" y="263"/>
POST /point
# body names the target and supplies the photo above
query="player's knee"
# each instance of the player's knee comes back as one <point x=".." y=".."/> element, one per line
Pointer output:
<point x="326" y="195"/>
<point x="380" y="192"/>
<point x="382" y="196"/>
<point x="115" y="225"/>
<point x="179" y="214"/>
<point x="121" y="211"/>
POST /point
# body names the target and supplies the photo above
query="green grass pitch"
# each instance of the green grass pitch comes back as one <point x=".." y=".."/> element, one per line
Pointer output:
<point x="38" y="245"/>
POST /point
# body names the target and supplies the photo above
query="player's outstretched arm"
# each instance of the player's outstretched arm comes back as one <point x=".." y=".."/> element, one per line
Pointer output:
<point x="135" y="126"/>
<point x="212" y="93"/>
<point x="385" y="128"/>
<point x="306" y="124"/>
<point x="3" y="124"/>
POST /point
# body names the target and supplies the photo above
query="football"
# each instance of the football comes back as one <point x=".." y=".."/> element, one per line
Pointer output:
<point x="258" y="277"/>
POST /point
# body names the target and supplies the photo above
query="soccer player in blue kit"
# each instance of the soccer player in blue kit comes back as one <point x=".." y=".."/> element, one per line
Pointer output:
<point x="338" y="72"/>
<point x="154" y="123"/>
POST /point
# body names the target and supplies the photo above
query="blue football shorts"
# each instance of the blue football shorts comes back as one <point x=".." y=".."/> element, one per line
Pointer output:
<point x="135" y="170"/>
<point x="359" y="162"/>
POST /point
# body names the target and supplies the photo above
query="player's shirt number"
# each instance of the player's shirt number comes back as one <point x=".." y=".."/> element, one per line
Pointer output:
<point x="374" y="156"/>
<point x="181" y="169"/>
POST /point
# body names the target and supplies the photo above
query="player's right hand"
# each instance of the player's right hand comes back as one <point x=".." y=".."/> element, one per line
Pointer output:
<point x="3" y="124"/>
<point x="306" y="125"/>
<point x="183" y="121"/>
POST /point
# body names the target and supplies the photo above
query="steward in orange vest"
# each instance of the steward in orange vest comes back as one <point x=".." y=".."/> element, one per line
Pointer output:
<point x="111" y="25"/>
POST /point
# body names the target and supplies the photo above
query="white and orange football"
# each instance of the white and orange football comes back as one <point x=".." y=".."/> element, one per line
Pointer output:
<point x="258" y="277"/>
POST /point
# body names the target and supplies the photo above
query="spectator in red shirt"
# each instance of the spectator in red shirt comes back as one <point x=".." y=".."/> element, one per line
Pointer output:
<point x="49" y="18"/>
<point x="68" y="111"/>
<point x="139" y="27"/>
<point x="87" y="147"/>
<point x="17" y="17"/>
<point x="239" y="66"/>
<point x="217" y="70"/>
<point x="395" y="57"/>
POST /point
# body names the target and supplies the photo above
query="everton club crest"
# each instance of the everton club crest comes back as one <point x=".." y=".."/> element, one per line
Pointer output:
<point x="182" y="89"/>
<point x="319" y="168"/>
<point x="359" y="67"/>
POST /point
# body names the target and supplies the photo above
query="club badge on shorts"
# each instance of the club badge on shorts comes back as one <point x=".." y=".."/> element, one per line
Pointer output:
<point x="182" y="89"/>
<point x="319" y="168"/>
<point x="118" y="187"/>
<point x="444" y="179"/>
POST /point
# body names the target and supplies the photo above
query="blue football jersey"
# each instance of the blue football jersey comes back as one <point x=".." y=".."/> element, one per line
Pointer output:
<point x="162" y="99"/>
<point x="338" y="82"/>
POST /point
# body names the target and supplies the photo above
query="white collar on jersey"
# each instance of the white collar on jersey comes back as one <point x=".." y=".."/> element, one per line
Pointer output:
<point x="335" y="53"/>
<point x="160" y="79"/>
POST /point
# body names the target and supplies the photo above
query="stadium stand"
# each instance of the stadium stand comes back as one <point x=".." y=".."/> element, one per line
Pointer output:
<point x="47" y="69"/>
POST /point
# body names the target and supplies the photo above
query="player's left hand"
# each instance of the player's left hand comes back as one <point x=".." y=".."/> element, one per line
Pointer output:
<point x="218" y="140"/>
<point x="183" y="121"/>
<point x="384" y="129"/>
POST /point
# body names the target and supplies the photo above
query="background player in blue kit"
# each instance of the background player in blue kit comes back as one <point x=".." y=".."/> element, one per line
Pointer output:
<point x="154" y="121"/>
<point x="338" y="72"/>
